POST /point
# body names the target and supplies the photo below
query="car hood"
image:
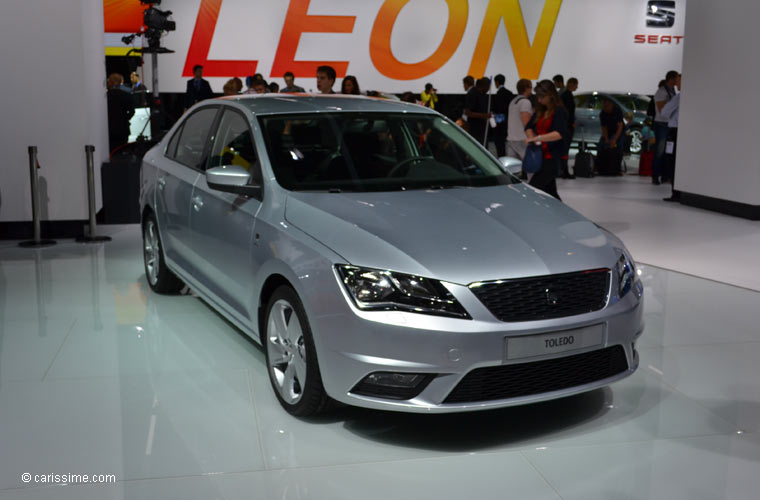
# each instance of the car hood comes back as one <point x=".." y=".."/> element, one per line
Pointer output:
<point x="460" y="235"/>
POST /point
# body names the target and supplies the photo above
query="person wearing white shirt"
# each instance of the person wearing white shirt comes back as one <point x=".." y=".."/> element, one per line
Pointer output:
<point x="670" y="111"/>
<point x="661" y="97"/>
<point x="518" y="115"/>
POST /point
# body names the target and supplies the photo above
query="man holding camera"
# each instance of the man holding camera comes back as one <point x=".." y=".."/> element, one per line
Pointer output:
<point x="429" y="96"/>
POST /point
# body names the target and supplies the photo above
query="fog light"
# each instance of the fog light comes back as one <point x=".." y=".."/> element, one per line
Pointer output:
<point x="394" y="379"/>
<point x="393" y="385"/>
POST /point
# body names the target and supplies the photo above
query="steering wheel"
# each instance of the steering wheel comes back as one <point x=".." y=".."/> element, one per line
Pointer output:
<point x="397" y="168"/>
<point x="326" y="160"/>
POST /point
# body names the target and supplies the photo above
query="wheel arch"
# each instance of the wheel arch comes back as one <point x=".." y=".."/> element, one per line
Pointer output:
<point x="145" y="212"/>
<point x="272" y="283"/>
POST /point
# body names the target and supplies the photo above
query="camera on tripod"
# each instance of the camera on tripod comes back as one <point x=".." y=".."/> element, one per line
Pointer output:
<point x="157" y="19"/>
<point x="156" y="22"/>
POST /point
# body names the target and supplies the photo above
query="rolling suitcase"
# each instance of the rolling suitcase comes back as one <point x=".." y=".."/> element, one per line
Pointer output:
<point x="645" y="163"/>
<point x="584" y="162"/>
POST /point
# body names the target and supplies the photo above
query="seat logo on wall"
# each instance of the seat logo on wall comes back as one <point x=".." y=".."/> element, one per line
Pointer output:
<point x="661" y="14"/>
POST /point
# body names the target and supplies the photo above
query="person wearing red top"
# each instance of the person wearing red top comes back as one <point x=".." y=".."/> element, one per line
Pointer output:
<point x="548" y="126"/>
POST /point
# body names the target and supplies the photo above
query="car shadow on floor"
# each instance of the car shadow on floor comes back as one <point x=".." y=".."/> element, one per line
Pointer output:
<point x="474" y="431"/>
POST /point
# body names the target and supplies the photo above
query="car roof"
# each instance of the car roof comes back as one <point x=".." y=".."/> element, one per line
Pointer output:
<point x="613" y="94"/>
<point x="310" y="103"/>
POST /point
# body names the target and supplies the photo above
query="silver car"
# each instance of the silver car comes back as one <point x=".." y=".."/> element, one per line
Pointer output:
<point x="383" y="258"/>
<point x="589" y="105"/>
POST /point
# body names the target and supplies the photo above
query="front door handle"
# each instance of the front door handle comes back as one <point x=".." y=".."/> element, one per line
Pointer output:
<point x="197" y="203"/>
<point x="161" y="183"/>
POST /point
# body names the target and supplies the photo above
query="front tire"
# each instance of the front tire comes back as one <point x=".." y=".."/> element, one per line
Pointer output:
<point x="160" y="278"/>
<point x="291" y="356"/>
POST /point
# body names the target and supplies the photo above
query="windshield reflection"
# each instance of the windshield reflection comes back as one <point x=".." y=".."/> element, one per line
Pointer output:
<point x="338" y="152"/>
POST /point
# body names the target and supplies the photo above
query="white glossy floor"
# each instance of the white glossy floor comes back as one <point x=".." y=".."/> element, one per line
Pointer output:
<point x="98" y="376"/>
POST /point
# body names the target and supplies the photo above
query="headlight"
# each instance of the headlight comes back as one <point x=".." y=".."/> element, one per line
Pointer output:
<point x="378" y="290"/>
<point x="626" y="273"/>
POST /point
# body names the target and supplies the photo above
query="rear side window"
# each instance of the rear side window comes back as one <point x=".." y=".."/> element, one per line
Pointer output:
<point x="193" y="138"/>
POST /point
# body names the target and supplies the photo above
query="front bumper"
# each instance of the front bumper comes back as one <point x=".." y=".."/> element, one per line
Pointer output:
<point x="351" y="344"/>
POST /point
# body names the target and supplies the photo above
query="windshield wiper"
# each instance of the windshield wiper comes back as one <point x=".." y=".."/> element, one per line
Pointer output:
<point x="432" y="187"/>
<point x="448" y="186"/>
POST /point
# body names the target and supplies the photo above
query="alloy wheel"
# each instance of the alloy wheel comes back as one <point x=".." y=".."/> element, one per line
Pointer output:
<point x="151" y="251"/>
<point x="286" y="351"/>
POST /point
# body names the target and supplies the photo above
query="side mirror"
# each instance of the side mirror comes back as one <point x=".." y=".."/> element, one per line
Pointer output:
<point x="511" y="165"/>
<point x="232" y="179"/>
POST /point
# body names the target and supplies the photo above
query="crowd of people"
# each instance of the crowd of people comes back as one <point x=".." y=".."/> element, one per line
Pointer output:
<point x="199" y="89"/>
<point x="515" y="121"/>
<point x="512" y="121"/>
<point x="547" y="118"/>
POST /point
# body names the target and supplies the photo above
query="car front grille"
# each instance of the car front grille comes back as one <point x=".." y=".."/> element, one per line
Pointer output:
<point x="537" y="377"/>
<point x="545" y="297"/>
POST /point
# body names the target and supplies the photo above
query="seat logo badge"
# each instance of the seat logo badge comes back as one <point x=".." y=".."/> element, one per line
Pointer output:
<point x="661" y="13"/>
<point x="551" y="298"/>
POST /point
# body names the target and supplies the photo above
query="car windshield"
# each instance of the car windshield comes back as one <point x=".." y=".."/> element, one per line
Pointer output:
<point x="633" y="102"/>
<point x="348" y="151"/>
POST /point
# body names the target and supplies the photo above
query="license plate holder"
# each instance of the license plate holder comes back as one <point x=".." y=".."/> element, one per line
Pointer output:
<point x="542" y="344"/>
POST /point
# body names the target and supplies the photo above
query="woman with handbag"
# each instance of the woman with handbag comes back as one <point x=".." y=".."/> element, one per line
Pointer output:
<point x="547" y="130"/>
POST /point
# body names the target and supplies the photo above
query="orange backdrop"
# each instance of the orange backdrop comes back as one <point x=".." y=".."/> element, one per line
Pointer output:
<point x="123" y="16"/>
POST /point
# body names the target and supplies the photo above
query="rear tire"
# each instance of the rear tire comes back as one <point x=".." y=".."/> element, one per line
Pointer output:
<point x="637" y="141"/>
<point x="160" y="278"/>
<point x="291" y="357"/>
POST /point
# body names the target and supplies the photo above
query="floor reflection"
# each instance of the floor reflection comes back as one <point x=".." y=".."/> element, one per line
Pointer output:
<point x="97" y="372"/>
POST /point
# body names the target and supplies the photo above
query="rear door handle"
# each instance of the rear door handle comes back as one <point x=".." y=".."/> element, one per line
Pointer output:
<point x="161" y="183"/>
<point x="197" y="203"/>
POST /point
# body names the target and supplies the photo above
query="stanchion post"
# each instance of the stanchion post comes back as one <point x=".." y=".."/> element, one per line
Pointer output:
<point x="89" y="150"/>
<point x="35" y="192"/>
<point x="37" y="241"/>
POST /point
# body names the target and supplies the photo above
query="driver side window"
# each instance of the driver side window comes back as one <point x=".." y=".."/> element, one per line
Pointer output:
<point x="233" y="145"/>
